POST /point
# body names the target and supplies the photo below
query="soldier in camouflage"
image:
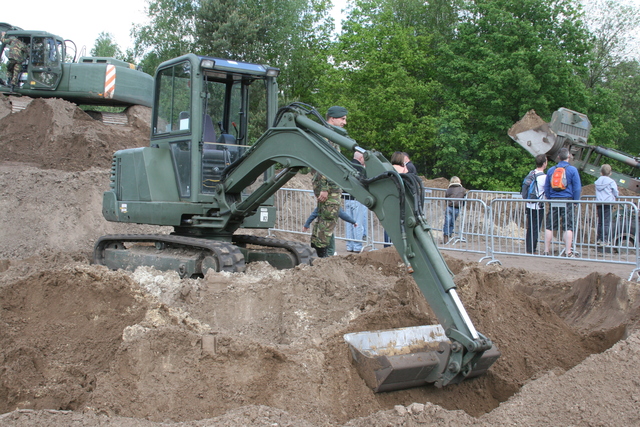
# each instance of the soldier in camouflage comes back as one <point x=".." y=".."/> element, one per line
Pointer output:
<point x="328" y="195"/>
<point x="16" y="51"/>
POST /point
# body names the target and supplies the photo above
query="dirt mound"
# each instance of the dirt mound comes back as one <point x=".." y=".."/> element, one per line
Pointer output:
<point x="162" y="348"/>
<point x="44" y="210"/>
<point x="530" y="120"/>
<point x="435" y="183"/>
<point x="596" y="303"/>
<point x="59" y="330"/>
<point x="590" y="190"/>
<point x="52" y="133"/>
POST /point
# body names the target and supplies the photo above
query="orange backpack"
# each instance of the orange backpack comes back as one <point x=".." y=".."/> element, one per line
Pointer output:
<point x="559" y="179"/>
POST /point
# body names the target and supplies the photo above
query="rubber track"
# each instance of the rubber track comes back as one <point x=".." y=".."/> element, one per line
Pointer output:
<point x="229" y="256"/>
<point x="304" y="254"/>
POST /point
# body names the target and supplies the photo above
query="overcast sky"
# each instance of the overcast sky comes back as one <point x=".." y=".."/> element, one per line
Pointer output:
<point x="82" y="21"/>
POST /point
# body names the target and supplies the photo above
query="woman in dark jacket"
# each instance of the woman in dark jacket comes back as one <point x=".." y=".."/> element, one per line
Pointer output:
<point x="455" y="191"/>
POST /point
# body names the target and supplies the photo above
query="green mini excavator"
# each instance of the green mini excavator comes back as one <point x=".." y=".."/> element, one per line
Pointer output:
<point x="209" y="171"/>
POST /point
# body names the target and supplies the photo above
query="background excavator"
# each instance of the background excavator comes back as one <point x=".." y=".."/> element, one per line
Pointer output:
<point x="50" y="69"/>
<point x="571" y="129"/>
<point x="210" y="170"/>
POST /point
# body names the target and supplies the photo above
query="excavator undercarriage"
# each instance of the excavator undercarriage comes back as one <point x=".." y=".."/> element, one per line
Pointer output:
<point x="193" y="257"/>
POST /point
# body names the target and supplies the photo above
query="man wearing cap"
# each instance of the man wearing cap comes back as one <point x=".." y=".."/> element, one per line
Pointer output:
<point x="328" y="195"/>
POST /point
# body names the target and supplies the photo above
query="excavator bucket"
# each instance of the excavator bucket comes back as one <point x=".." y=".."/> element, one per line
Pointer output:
<point x="402" y="358"/>
<point x="567" y="127"/>
<point x="533" y="134"/>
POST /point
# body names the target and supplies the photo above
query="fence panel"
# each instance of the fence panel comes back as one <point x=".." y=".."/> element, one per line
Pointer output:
<point x="435" y="192"/>
<point x="293" y="208"/>
<point x="493" y="224"/>
<point x="488" y="196"/>
<point x="508" y="231"/>
<point x="469" y="233"/>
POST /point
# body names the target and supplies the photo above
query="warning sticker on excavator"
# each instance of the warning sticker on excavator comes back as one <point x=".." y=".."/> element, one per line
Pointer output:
<point x="110" y="81"/>
<point x="264" y="215"/>
<point x="123" y="207"/>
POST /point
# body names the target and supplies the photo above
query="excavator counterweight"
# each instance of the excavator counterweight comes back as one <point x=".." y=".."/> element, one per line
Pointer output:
<point x="209" y="171"/>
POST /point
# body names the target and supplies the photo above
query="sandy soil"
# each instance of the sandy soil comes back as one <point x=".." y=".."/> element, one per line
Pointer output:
<point x="82" y="345"/>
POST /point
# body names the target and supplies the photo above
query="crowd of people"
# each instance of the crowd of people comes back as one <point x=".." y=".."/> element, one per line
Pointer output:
<point x="559" y="186"/>
<point x="328" y="197"/>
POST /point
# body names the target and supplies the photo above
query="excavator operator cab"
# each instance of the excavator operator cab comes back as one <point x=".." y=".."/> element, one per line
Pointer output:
<point x="209" y="111"/>
<point x="40" y="61"/>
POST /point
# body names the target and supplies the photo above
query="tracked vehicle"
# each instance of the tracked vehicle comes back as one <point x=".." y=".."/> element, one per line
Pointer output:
<point x="50" y="70"/>
<point x="209" y="172"/>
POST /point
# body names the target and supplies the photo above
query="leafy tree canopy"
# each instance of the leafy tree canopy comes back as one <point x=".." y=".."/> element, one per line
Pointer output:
<point x="384" y="74"/>
<point x="508" y="56"/>
<point x="170" y="33"/>
<point x="293" y="35"/>
<point x="443" y="80"/>
<point x="105" y="46"/>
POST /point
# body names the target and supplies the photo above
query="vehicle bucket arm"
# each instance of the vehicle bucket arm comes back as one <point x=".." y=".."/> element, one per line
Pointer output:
<point x="447" y="353"/>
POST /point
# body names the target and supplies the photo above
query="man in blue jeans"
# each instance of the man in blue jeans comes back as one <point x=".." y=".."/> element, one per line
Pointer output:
<point x="561" y="212"/>
<point x="357" y="211"/>
<point x="455" y="191"/>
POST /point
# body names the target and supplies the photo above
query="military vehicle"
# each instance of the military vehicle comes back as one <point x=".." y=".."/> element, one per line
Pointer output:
<point x="210" y="170"/>
<point x="571" y="129"/>
<point x="49" y="69"/>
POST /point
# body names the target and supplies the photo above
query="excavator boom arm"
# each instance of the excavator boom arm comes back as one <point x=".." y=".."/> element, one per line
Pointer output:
<point x="298" y="142"/>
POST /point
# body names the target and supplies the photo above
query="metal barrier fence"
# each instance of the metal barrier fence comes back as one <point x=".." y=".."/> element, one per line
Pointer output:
<point x="488" y="196"/>
<point x="494" y="224"/>
<point x="509" y="227"/>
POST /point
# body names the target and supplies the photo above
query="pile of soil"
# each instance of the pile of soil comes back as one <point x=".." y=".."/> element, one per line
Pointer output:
<point x="529" y="121"/>
<point x="80" y="344"/>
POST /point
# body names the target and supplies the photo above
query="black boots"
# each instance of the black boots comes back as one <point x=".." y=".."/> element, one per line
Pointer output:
<point x="322" y="252"/>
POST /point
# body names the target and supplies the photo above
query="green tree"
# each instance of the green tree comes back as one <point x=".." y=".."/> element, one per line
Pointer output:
<point x="293" y="35"/>
<point x="613" y="75"/>
<point x="384" y="75"/>
<point x="508" y="56"/>
<point x="105" y="46"/>
<point x="170" y="32"/>
<point x="613" y="25"/>
<point x="624" y="80"/>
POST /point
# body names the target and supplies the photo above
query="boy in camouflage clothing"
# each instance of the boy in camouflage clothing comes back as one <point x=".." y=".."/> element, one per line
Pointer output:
<point x="328" y="195"/>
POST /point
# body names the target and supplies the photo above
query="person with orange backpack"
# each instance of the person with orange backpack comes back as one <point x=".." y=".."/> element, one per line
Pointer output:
<point x="563" y="183"/>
